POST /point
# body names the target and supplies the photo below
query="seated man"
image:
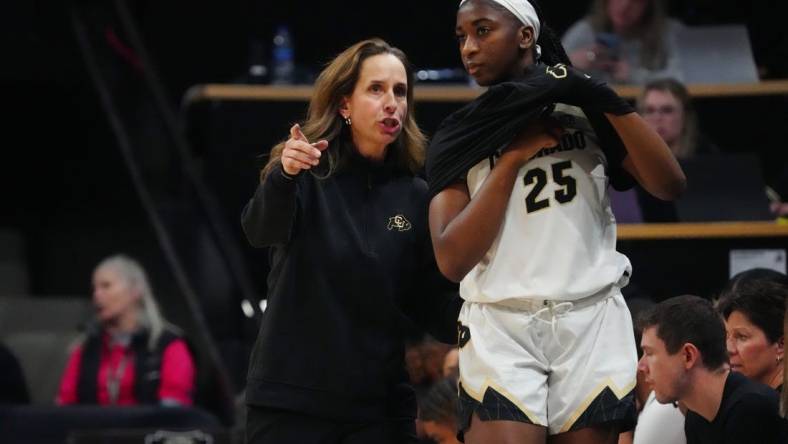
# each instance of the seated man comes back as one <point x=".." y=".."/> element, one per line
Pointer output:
<point x="685" y="358"/>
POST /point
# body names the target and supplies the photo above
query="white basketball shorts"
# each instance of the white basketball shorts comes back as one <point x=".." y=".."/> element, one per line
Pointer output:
<point x="562" y="365"/>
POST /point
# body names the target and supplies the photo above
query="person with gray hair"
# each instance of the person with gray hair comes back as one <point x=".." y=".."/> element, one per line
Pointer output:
<point x="131" y="355"/>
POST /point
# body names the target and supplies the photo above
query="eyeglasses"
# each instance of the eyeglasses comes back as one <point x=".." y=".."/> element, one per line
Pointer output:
<point x="665" y="110"/>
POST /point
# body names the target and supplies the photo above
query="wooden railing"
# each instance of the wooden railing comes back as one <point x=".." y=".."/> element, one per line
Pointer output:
<point x="707" y="230"/>
<point x="447" y="93"/>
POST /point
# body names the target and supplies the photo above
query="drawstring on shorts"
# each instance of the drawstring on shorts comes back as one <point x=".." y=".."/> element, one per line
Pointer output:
<point x="555" y="309"/>
<point x="538" y="308"/>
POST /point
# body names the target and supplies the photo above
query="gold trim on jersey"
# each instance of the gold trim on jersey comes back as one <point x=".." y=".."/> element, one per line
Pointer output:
<point x="619" y="392"/>
<point x="488" y="383"/>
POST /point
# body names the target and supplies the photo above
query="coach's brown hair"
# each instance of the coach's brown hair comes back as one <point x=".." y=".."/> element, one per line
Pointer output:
<point x="336" y="82"/>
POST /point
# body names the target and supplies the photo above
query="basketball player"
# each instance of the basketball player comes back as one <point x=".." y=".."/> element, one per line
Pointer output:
<point x="547" y="351"/>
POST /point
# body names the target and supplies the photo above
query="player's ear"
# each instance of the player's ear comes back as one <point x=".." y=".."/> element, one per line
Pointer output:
<point x="526" y="37"/>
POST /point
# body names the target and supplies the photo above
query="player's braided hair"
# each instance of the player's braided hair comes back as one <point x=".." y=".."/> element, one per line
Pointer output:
<point x="553" y="51"/>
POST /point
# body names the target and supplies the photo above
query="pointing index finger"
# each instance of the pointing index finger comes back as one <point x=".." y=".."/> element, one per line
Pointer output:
<point x="295" y="133"/>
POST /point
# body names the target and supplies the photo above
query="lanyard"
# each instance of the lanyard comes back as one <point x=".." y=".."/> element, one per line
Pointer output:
<point x="113" y="379"/>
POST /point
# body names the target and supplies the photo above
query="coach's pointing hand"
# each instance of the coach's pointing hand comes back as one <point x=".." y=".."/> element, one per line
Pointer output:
<point x="299" y="154"/>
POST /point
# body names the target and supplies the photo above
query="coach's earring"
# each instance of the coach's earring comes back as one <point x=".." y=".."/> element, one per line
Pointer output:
<point x="347" y="121"/>
<point x="779" y="358"/>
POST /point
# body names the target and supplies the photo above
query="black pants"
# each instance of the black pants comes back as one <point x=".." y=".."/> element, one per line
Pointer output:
<point x="274" y="426"/>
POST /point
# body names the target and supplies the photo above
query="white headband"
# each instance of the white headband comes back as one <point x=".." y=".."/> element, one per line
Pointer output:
<point x="523" y="10"/>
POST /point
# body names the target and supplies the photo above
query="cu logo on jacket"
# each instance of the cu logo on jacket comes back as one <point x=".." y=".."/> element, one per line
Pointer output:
<point x="399" y="223"/>
<point x="558" y="71"/>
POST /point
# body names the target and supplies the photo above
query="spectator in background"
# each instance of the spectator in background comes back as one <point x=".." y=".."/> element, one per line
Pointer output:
<point x="434" y="355"/>
<point x="667" y="107"/>
<point x="778" y="197"/>
<point x="13" y="388"/>
<point x="425" y="361"/>
<point x="657" y="423"/>
<point x="414" y="364"/>
<point x="428" y="363"/>
<point x="438" y="412"/>
<point x="753" y="305"/>
<point x="625" y="41"/>
<point x="131" y="355"/>
<point x="784" y="393"/>
<point x="684" y="357"/>
<point x="451" y="364"/>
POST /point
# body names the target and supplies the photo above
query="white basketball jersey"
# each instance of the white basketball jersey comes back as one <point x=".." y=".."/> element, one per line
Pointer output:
<point x="558" y="238"/>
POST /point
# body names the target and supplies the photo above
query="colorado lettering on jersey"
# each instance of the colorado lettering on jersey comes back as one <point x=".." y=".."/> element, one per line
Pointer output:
<point x="574" y="137"/>
<point x="569" y="141"/>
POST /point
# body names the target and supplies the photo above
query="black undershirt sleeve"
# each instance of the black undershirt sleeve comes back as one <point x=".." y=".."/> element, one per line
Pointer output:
<point x="614" y="150"/>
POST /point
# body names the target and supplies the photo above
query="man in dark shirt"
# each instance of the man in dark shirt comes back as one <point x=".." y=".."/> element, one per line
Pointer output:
<point x="685" y="359"/>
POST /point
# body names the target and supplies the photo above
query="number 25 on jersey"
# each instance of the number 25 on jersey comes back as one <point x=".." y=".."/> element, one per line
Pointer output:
<point x="538" y="177"/>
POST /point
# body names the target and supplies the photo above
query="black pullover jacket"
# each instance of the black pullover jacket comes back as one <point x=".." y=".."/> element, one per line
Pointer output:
<point x="352" y="267"/>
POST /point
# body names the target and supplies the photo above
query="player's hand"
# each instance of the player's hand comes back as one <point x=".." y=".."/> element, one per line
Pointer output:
<point x="299" y="154"/>
<point x="574" y="87"/>
<point x="540" y="133"/>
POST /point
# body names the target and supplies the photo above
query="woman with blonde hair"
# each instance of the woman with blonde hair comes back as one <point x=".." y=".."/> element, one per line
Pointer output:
<point x="131" y="355"/>
<point x="667" y="107"/>
<point x="625" y="41"/>
<point x="352" y="266"/>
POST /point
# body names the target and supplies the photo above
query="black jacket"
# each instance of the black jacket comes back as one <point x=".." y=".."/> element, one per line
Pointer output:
<point x="147" y="366"/>
<point x="352" y="267"/>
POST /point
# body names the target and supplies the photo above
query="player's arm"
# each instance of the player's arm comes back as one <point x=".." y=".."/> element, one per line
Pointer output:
<point x="648" y="160"/>
<point x="463" y="229"/>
